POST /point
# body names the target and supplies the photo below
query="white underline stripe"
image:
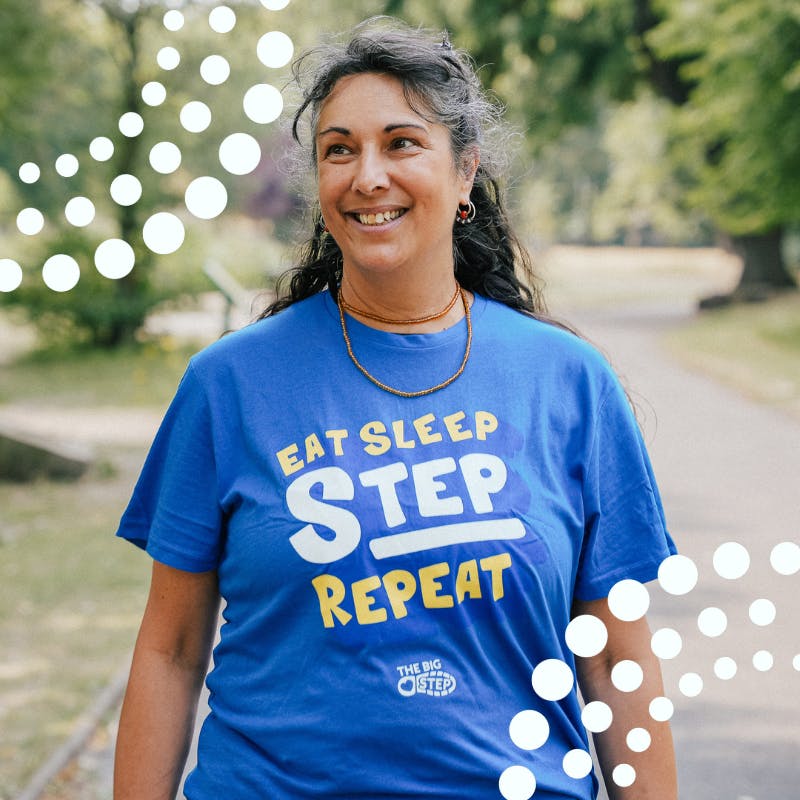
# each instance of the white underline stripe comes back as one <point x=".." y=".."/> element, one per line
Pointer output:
<point x="399" y="544"/>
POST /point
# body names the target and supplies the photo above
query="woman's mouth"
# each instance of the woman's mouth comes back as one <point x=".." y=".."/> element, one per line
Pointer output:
<point x="381" y="218"/>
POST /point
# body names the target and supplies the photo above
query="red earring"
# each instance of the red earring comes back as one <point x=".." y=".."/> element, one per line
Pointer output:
<point x="466" y="213"/>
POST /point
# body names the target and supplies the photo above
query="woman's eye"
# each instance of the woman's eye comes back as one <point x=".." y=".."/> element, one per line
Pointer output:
<point x="403" y="143"/>
<point x="337" y="150"/>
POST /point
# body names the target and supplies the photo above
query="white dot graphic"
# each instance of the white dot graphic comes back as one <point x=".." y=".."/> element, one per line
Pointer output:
<point x="61" y="272"/>
<point x="624" y="775"/>
<point x="173" y="20"/>
<point x="195" y="116"/>
<point x="712" y="622"/>
<point x="690" y="684"/>
<point x="725" y="668"/>
<point x="215" y="70"/>
<point x="165" y="157"/>
<point x="731" y="561"/>
<point x="10" y="275"/>
<point x="79" y="212"/>
<point x="677" y="575"/>
<point x="796" y="662"/>
<point x="168" y="58"/>
<point x="785" y="558"/>
<point x="222" y="19"/>
<point x="114" y="259"/>
<point x="101" y="148"/>
<point x="627" y="675"/>
<point x="154" y="93"/>
<point x="552" y="679"/>
<point x="263" y="103"/>
<point x="666" y="643"/>
<point x="597" y="716"/>
<point x="517" y="783"/>
<point x="529" y="730"/>
<point x="240" y="154"/>
<point x="163" y="233"/>
<point x="29" y="172"/>
<point x="125" y="190"/>
<point x="763" y="661"/>
<point x="577" y="764"/>
<point x="628" y="600"/>
<point x="275" y="49"/>
<point x="638" y="740"/>
<point x="661" y="709"/>
<point x="131" y="124"/>
<point x="30" y="221"/>
<point x="67" y="165"/>
<point x="206" y="197"/>
<point x="274" y="5"/>
<point x="586" y="635"/>
<point x="762" y="612"/>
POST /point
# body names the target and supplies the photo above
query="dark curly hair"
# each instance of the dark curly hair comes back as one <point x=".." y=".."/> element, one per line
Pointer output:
<point x="440" y="84"/>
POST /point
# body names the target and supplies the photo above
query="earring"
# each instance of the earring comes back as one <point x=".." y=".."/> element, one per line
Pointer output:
<point x="466" y="213"/>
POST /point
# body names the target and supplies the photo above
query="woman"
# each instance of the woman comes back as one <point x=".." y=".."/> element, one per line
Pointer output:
<point x="403" y="484"/>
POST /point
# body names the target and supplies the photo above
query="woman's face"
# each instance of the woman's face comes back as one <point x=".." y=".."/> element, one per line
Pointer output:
<point x="388" y="186"/>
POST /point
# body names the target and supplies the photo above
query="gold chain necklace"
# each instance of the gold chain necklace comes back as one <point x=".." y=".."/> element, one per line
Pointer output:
<point x="422" y="392"/>
<point x="416" y="321"/>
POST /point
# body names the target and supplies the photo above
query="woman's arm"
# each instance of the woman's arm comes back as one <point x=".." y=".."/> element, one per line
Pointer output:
<point x="656" y="777"/>
<point x="169" y="664"/>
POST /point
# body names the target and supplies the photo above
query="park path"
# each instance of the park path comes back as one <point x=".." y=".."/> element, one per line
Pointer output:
<point x="728" y="469"/>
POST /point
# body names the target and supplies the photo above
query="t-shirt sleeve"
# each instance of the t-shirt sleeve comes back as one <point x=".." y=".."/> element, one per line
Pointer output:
<point x="625" y="533"/>
<point x="174" y="513"/>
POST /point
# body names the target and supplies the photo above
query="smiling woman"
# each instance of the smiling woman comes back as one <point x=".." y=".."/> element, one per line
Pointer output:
<point x="405" y="483"/>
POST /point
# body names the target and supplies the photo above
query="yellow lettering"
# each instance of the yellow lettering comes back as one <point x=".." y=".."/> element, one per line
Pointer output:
<point x="377" y="443"/>
<point x="399" y="433"/>
<point x="330" y="591"/>
<point x="453" y="424"/>
<point x="363" y="601"/>
<point x="400" y="586"/>
<point x="430" y="587"/>
<point x="423" y="428"/>
<point x="485" y="423"/>
<point x="495" y="565"/>
<point x="337" y="437"/>
<point x="314" y="448"/>
<point x="467" y="580"/>
<point x="288" y="460"/>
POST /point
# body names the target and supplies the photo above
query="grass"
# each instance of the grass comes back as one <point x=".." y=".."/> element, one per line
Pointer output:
<point x="753" y="347"/>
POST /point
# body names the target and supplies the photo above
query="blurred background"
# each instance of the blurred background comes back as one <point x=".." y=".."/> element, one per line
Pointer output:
<point x="655" y="178"/>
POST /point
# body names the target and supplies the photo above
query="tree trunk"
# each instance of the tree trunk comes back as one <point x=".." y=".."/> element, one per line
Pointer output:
<point x="765" y="270"/>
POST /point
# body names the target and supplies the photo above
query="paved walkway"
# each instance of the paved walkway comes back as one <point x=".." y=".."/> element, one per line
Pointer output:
<point x="729" y="470"/>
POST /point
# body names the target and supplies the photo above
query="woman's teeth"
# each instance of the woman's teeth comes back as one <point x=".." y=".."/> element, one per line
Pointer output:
<point x="379" y="218"/>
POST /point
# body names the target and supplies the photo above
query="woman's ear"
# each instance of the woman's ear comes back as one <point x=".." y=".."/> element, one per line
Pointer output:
<point x="470" y="162"/>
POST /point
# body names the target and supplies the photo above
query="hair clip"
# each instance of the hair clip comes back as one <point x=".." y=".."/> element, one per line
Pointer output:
<point x="445" y="45"/>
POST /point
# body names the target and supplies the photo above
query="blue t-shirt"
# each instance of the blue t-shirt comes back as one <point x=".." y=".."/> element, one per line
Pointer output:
<point x="394" y="569"/>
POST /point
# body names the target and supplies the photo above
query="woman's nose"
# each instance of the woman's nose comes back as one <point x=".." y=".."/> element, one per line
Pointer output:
<point x="371" y="174"/>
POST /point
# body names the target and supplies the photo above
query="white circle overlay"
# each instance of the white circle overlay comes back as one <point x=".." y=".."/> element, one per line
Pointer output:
<point x="10" y="275"/>
<point x="762" y="612"/>
<point x="222" y="19"/>
<point x="628" y="600"/>
<point x="163" y="233"/>
<point x="577" y="764"/>
<point x="263" y="103"/>
<point x="61" y="272"/>
<point x="165" y="157"/>
<point x="29" y="172"/>
<point x="666" y="643"/>
<point x="677" y="575"/>
<point x="731" y="560"/>
<point x="206" y="197"/>
<point x="638" y="740"/>
<point x="586" y="635"/>
<point x="131" y="124"/>
<point x="173" y="20"/>
<point x="67" y="165"/>
<point x="529" y="729"/>
<point x="517" y="783"/>
<point x="785" y="558"/>
<point x="763" y="660"/>
<point x="240" y="154"/>
<point x="725" y="668"/>
<point x="552" y="679"/>
<point x="597" y="716"/>
<point x="275" y="49"/>
<point x="125" y="189"/>
<point x="624" y="775"/>
<point x="30" y="221"/>
<point x="195" y="116"/>
<point x="712" y="622"/>
<point x="215" y="70"/>
<point x="101" y="148"/>
<point x="114" y="258"/>
<point x="274" y="5"/>
<point x="154" y="93"/>
<point x="661" y="709"/>
<point x="168" y="58"/>
<point x="690" y="684"/>
<point x="79" y="211"/>
<point x="627" y="675"/>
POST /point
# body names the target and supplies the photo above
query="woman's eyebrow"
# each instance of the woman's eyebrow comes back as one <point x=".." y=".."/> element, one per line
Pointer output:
<point x="388" y="129"/>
